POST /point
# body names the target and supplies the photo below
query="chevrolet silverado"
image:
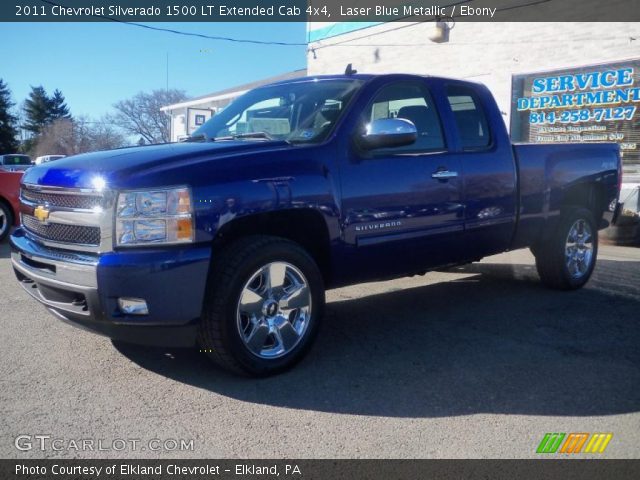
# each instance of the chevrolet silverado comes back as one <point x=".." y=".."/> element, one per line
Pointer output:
<point x="227" y="241"/>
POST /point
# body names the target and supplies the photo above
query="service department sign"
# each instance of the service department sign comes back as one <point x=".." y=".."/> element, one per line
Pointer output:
<point x="596" y="103"/>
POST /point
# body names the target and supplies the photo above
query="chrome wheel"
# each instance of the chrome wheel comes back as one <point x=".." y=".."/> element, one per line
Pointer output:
<point x="579" y="248"/>
<point x="274" y="310"/>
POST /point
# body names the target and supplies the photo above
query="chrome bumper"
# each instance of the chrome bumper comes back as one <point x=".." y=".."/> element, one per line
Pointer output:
<point x="64" y="282"/>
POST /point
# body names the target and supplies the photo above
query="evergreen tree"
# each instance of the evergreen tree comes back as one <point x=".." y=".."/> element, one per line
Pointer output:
<point x="38" y="110"/>
<point x="59" y="108"/>
<point x="8" y="130"/>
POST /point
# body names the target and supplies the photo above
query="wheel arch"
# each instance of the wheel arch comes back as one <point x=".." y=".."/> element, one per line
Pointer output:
<point x="306" y="227"/>
<point x="585" y="195"/>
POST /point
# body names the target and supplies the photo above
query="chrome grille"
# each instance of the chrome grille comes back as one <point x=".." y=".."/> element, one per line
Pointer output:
<point x="64" y="200"/>
<point x="60" y="232"/>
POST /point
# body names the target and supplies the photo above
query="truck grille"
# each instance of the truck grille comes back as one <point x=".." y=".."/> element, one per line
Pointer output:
<point x="77" y="219"/>
<point x="61" y="199"/>
<point x="63" y="233"/>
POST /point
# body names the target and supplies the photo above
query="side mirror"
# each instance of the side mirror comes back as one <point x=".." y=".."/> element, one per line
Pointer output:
<point x="388" y="132"/>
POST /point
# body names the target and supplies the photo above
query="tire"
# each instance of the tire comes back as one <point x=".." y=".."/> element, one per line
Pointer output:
<point x="565" y="261"/>
<point x="6" y="220"/>
<point x="250" y="326"/>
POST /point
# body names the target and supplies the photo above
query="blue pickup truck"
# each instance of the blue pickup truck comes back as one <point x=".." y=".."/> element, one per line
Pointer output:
<point x="227" y="241"/>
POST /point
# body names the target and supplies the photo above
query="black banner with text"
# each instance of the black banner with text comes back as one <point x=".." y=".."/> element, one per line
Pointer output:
<point x="319" y="469"/>
<point x="318" y="10"/>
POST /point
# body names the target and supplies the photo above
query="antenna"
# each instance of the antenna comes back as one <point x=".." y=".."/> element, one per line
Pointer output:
<point x="349" y="70"/>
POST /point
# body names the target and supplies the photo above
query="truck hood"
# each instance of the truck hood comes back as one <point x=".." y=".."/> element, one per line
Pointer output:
<point x="115" y="167"/>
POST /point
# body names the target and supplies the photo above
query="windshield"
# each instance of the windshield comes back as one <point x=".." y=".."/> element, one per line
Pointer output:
<point x="16" y="160"/>
<point x="302" y="112"/>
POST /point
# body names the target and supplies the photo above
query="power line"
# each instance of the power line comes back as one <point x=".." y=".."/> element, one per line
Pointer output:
<point x="343" y="43"/>
<point x="189" y="34"/>
<point x="207" y="37"/>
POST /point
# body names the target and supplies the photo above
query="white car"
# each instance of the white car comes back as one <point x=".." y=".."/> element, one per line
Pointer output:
<point x="48" y="158"/>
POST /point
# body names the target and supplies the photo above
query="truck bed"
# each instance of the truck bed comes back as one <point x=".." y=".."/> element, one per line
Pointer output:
<point x="550" y="176"/>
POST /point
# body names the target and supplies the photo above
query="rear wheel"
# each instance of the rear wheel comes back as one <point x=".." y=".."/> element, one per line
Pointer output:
<point x="567" y="259"/>
<point x="6" y="220"/>
<point x="265" y="300"/>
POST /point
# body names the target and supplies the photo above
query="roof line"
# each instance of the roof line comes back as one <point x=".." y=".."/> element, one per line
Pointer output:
<point x="237" y="90"/>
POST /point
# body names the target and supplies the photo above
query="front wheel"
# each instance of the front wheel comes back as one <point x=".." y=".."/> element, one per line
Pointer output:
<point x="567" y="258"/>
<point x="265" y="300"/>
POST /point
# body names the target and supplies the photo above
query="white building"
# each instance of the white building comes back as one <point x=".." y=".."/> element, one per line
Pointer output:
<point x="505" y="56"/>
<point x="187" y="116"/>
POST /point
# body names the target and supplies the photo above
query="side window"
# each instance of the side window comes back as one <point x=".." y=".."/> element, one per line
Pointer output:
<point x="412" y="102"/>
<point x="470" y="118"/>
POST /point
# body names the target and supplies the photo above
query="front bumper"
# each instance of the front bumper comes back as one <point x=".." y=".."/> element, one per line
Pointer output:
<point x="83" y="289"/>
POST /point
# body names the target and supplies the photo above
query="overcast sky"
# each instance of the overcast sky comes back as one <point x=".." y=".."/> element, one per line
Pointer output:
<point x="97" y="64"/>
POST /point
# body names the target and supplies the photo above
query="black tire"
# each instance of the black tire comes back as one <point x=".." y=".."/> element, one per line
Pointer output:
<point x="552" y="262"/>
<point x="220" y="337"/>
<point x="6" y="220"/>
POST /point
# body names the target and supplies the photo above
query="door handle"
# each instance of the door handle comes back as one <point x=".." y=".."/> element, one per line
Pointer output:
<point x="444" y="174"/>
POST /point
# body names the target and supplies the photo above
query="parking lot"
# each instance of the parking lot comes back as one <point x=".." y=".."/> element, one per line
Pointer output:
<point x="480" y="361"/>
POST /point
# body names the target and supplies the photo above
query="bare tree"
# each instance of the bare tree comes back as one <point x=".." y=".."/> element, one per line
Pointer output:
<point x="105" y="136"/>
<point x="141" y="115"/>
<point x="57" y="138"/>
<point x="69" y="137"/>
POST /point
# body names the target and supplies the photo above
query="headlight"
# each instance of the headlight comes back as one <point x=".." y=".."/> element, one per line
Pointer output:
<point x="154" y="216"/>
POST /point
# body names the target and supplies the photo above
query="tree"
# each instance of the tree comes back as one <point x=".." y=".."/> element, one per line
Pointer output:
<point x="104" y="136"/>
<point x="66" y="136"/>
<point x="8" y="121"/>
<point x="141" y="115"/>
<point x="58" y="108"/>
<point x="37" y="109"/>
<point x="41" y="110"/>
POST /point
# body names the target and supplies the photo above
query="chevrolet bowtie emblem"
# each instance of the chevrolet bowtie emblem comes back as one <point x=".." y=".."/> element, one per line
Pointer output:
<point x="41" y="213"/>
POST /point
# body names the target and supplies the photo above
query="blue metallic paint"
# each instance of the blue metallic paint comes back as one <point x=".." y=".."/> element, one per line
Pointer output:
<point x="502" y="199"/>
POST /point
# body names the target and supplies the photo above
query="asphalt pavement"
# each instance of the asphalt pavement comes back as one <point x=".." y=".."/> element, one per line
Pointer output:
<point x="480" y="361"/>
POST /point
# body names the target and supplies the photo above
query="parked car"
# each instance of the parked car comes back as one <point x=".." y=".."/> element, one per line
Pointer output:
<point x="229" y="240"/>
<point x="14" y="162"/>
<point x="9" y="201"/>
<point x="48" y="158"/>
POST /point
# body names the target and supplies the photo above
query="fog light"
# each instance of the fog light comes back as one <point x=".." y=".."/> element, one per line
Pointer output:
<point x="133" y="306"/>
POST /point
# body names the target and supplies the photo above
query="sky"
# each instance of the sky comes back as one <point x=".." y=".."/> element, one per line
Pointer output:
<point x="97" y="64"/>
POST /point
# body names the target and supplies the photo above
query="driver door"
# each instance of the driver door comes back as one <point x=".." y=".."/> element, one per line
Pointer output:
<point x="402" y="206"/>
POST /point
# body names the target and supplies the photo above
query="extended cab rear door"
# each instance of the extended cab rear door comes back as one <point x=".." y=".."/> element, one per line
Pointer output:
<point x="489" y="182"/>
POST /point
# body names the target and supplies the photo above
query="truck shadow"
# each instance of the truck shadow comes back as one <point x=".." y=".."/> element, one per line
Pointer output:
<point x="5" y="249"/>
<point x="491" y="341"/>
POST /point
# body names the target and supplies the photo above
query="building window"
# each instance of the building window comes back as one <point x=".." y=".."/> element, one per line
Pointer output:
<point x="593" y="103"/>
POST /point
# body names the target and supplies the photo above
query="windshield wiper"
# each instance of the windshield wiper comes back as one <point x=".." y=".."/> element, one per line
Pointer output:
<point x="237" y="136"/>
<point x="201" y="137"/>
<point x="253" y="135"/>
